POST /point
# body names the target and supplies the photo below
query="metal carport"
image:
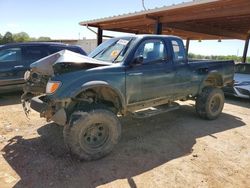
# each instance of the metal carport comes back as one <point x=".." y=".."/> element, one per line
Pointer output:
<point x="196" y="20"/>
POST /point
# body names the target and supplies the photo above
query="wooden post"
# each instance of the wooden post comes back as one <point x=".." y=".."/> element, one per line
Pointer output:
<point x="99" y="36"/>
<point x="158" y="28"/>
<point x="244" y="57"/>
<point x="187" y="46"/>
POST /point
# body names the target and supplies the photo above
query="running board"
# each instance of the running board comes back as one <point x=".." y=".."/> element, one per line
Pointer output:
<point x="152" y="111"/>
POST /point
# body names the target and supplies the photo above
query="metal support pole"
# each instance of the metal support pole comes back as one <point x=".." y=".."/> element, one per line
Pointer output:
<point x="244" y="57"/>
<point x="158" y="28"/>
<point x="187" y="46"/>
<point x="99" y="36"/>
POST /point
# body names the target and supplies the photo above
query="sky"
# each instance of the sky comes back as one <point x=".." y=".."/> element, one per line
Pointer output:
<point x="59" y="19"/>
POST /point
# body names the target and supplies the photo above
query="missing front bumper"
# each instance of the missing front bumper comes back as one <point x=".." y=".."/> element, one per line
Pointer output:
<point x="58" y="116"/>
<point x="38" y="105"/>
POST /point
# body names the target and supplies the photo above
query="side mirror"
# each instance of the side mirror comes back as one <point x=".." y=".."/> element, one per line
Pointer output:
<point x="138" y="60"/>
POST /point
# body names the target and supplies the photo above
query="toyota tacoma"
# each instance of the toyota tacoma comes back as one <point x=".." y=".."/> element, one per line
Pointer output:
<point x="140" y="75"/>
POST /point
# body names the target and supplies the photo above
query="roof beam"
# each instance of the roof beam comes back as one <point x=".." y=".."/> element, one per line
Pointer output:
<point x="178" y="32"/>
<point x="130" y="23"/>
<point x="207" y="30"/>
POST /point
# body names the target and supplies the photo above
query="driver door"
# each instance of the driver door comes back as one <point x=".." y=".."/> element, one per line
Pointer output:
<point x="153" y="77"/>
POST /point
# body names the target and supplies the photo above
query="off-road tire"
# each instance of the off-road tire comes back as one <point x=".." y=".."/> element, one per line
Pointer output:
<point x="209" y="103"/>
<point x="92" y="135"/>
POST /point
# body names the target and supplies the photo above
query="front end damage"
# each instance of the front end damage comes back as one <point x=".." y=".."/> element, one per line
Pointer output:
<point x="35" y="96"/>
<point x="35" y="85"/>
<point x="52" y="111"/>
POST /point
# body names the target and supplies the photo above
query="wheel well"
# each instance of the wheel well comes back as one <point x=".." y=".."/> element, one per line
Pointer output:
<point x="102" y="94"/>
<point x="214" y="80"/>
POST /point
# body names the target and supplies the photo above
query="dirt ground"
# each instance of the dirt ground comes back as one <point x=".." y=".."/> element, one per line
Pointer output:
<point x="176" y="149"/>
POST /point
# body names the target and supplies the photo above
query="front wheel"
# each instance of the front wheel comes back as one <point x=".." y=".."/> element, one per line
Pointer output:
<point x="209" y="103"/>
<point x="92" y="135"/>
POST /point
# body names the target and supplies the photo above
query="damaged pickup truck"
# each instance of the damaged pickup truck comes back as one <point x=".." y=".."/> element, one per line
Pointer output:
<point x="140" y="75"/>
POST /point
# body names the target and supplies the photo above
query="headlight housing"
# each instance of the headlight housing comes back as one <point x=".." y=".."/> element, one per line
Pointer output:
<point x="52" y="86"/>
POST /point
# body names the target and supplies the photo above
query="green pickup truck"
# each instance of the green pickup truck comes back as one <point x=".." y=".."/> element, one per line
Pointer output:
<point x="122" y="76"/>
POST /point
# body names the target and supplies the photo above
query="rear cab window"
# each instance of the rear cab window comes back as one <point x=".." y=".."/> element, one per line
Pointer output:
<point x="179" y="52"/>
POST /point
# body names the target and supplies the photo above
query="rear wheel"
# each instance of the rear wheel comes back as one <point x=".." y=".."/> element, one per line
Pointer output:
<point x="209" y="103"/>
<point x="92" y="135"/>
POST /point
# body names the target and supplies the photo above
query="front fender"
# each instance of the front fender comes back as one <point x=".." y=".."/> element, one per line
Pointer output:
<point x="100" y="83"/>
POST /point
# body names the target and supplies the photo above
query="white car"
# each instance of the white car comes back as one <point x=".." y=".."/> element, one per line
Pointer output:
<point x="241" y="86"/>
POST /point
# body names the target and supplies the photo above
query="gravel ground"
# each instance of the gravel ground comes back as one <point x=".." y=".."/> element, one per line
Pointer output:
<point x="176" y="149"/>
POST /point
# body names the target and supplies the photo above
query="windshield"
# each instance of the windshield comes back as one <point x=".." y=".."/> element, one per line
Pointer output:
<point x="242" y="69"/>
<point x="113" y="50"/>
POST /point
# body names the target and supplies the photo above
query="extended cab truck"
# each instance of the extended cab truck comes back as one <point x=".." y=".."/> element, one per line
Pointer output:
<point x="120" y="77"/>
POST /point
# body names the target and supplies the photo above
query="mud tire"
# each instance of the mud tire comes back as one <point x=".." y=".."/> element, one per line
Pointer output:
<point x="210" y="103"/>
<point x="92" y="135"/>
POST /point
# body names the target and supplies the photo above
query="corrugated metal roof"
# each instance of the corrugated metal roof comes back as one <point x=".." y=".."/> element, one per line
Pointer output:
<point x="203" y="19"/>
<point x="150" y="11"/>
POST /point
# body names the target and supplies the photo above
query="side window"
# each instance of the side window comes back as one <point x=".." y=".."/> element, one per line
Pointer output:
<point x="10" y="54"/>
<point x="76" y="50"/>
<point x="54" y="49"/>
<point x="179" y="51"/>
<point x="34" y="53"/>
<point x="152" y="51"/>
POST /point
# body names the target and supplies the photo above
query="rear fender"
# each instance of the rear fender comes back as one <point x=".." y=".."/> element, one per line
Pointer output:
<point x="213" y="79"/>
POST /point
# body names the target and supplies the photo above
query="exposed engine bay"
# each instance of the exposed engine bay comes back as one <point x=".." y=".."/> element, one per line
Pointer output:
<point x="58" y="63"/>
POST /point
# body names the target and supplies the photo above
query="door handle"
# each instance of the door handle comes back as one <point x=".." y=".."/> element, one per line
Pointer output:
<point x="135" y="74"/>
<point x="18" y="66"/>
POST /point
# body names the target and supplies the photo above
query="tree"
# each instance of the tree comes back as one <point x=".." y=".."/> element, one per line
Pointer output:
<point x="7" y="38"/>
<point x="44" y="39"/>
<point x="21" y="37"/>
<point x="33" y="39"/>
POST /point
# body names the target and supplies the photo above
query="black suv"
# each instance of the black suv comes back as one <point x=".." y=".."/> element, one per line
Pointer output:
<point x="15" y="60"/>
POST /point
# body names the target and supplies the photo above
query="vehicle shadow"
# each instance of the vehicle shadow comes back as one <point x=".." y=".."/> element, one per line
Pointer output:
<point x="145" y="144"/>
<point x="238" y="101"/>
<point x="10" y="98"/>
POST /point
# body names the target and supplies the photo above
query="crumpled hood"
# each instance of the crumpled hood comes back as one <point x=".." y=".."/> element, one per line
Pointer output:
<point x="45" y="65"/>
